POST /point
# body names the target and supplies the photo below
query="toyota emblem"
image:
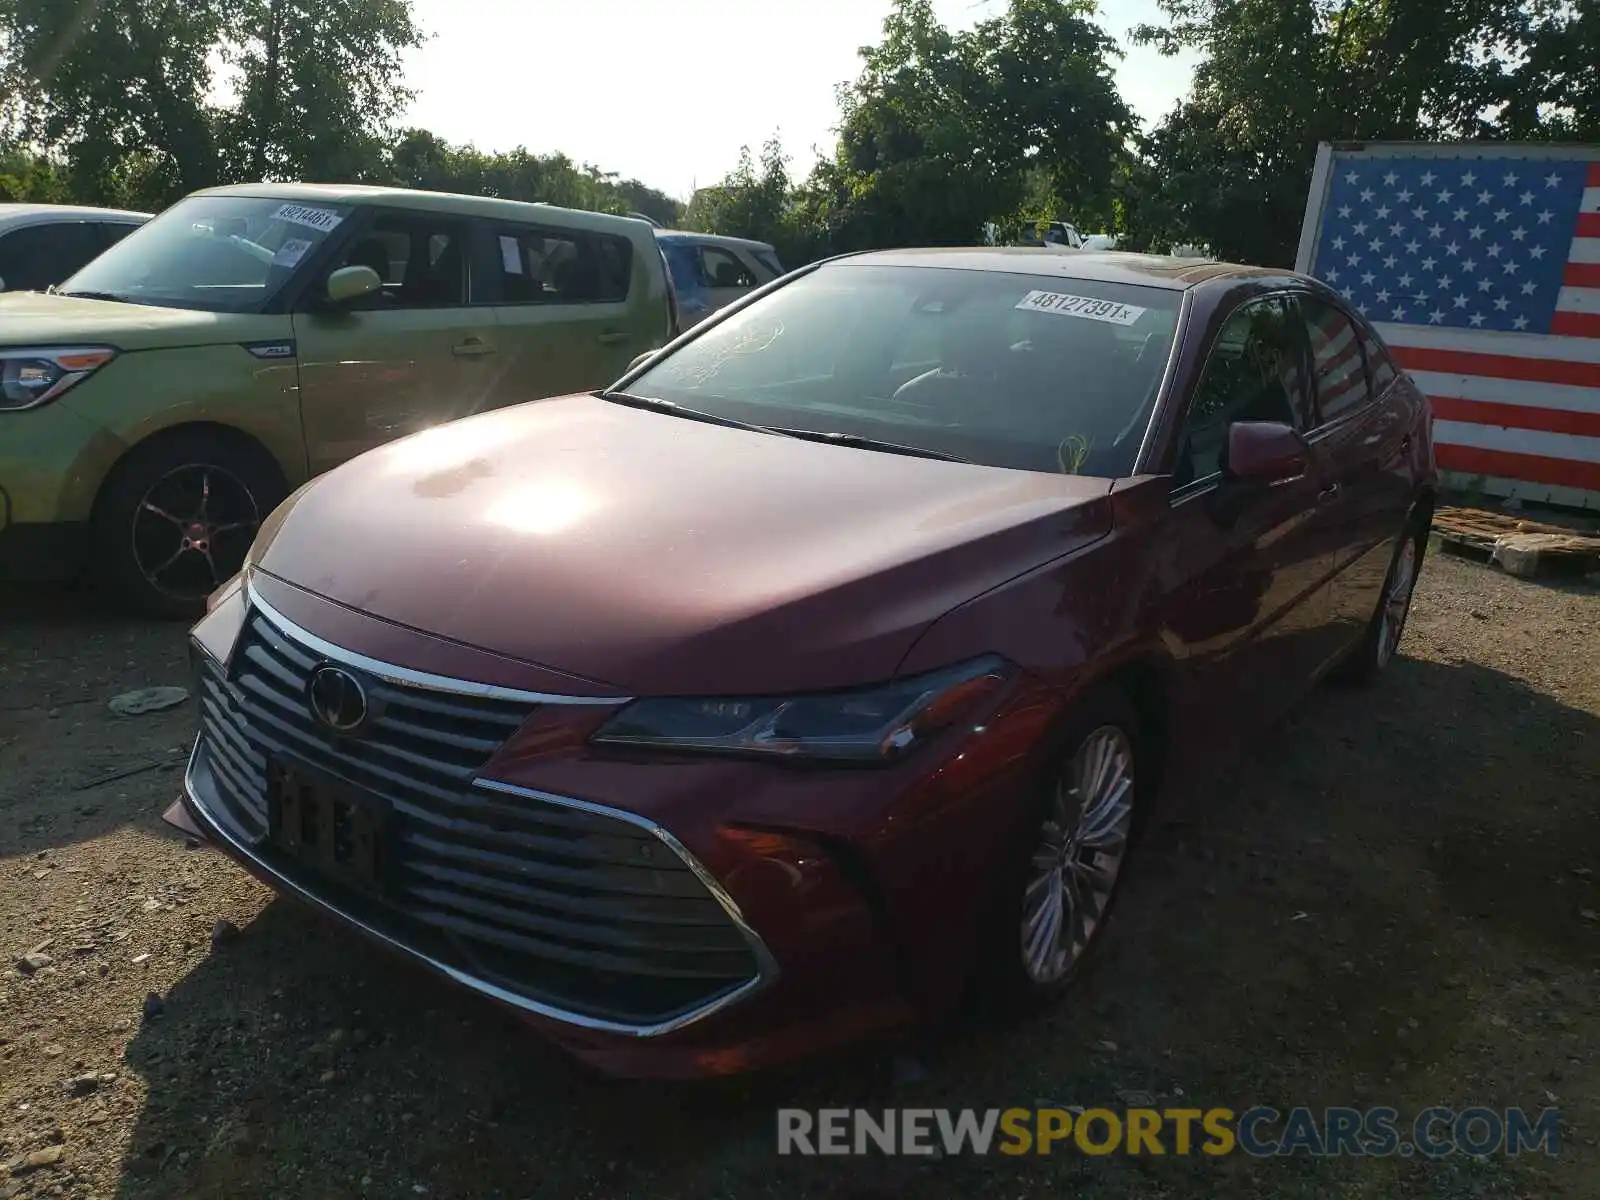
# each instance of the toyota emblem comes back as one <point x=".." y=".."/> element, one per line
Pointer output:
<point x="337" y="699"/>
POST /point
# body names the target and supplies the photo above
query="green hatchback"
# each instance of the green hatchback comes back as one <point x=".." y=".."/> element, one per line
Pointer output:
<point x="160" y="403"/>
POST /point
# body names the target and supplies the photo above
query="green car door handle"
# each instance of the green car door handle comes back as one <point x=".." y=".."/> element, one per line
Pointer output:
<point x="472" y="347"/>
<point x="612" y="337"/>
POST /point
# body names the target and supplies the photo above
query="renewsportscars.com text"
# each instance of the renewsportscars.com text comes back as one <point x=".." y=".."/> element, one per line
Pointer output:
<point x="1259" y="1132"/>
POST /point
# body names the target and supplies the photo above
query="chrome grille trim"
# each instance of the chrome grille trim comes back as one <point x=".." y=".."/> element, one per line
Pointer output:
<point x="482" y="892"/>
<point x="405" y="676"/>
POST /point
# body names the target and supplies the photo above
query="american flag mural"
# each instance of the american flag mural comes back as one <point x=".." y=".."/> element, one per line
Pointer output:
<point x="1480" y="266"/>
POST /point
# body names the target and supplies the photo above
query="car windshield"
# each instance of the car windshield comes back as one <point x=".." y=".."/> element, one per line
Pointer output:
<point x="1032" y="372"/>
<point x="217" y="253"/>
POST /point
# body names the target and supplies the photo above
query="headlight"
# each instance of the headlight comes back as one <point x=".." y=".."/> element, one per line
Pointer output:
<point x="29" y="378"/>
<point x="864" y="725"/>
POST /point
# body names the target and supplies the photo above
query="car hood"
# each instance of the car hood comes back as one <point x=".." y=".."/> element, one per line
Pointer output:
<point x="42" y="319"/>
<point x="658" y="555"/>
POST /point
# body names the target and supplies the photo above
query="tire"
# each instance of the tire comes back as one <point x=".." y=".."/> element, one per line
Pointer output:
<point x="176" y="517"/>
<point x="1380" y="642"/>
<point x="1027" y="968"/>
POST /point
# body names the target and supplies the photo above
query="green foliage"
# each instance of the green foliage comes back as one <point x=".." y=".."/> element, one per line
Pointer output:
<point x="318" y="87"/>
<point x="420" y="159"/>
<point x="1231" y="165"/>
<point x="1013" y="122"/>
<point x="1017" y="119"/>
<point x="758" y="200"/>
<point x="112" y="101"/>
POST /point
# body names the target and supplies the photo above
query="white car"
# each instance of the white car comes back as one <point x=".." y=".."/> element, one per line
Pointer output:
<point x="42" y="244"/>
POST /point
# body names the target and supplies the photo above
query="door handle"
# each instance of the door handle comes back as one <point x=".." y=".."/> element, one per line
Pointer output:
<point x="1329" y="493"/>
<point x="612" y="337"/>
<point x="472" y="347"/>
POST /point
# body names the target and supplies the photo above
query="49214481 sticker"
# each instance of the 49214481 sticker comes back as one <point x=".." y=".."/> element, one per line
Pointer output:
<point x="312" y="217"/>
<point x="1086" y="307"/>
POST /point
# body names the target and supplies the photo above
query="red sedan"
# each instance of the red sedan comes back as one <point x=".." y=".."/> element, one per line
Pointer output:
<point x="827" y="665"/>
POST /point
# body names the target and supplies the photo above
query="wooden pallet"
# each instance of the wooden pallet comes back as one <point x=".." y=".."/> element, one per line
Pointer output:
<point x="1521" y="546"/>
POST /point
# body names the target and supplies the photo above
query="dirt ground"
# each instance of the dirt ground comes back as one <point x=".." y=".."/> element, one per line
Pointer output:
<point x="1394" y="903"/>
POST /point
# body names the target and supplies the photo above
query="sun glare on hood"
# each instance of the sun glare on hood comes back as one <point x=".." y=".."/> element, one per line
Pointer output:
<point x="543" y="508"/>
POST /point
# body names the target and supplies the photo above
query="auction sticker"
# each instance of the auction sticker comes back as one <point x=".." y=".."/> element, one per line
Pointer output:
<point x="1082" y="306"/>
<point x="320" y="219"/>
<point x="291" y="252"/>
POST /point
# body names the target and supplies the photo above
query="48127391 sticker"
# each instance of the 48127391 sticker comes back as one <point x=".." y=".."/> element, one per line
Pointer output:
<point x="1087" y="307"/>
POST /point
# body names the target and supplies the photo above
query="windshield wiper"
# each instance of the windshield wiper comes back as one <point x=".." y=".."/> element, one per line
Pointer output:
<point x="655" y="404"/>
<point x="866" y="443"/>
<point x="112" y="296"/>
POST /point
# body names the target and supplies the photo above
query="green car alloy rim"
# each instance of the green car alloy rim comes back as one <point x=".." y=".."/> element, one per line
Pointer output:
<point x="192" y="530"/>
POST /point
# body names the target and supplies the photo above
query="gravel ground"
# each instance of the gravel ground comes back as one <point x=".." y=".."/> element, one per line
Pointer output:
<point x="1391" y="904"/>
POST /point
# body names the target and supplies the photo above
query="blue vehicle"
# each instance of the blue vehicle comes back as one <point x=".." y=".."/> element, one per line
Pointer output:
<point x="711" y="271"/>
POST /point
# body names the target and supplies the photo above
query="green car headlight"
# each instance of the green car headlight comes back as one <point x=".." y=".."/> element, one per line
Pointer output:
<point x="878" y="724"/>
<point x="30" y="377"/>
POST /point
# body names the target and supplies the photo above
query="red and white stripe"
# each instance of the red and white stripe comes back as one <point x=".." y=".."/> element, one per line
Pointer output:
<point x="1512" y="407"/>
<point x="1578" y="306"/>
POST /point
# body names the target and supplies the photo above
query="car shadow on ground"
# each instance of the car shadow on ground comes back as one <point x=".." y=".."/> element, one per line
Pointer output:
<point x="1330" y="925"/>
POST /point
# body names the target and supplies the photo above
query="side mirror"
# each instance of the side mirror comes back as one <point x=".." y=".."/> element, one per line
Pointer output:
<point x="1265" y="452"/>
<point x="2" y="284"/>
<point x="352" y="283"/>
<point x="640" y="361"/>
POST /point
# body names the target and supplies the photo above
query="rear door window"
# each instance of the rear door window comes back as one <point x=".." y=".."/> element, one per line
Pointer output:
<point x="1338" y="365"/>
<point x="547" y="266"/>
<point x="112" y="232"/>
<point x="33" y="258"/>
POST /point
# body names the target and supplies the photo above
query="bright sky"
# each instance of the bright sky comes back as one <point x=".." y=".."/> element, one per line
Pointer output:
<point x="670" y="99"/>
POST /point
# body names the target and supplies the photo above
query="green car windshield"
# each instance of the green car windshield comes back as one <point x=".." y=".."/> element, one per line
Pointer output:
<point x="214" y="253"/>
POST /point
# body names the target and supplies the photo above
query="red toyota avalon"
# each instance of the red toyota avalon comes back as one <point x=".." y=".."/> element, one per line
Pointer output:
<point x="831" y="662"/>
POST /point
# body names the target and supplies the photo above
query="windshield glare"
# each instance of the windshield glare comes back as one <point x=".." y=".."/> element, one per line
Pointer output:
<point x="1037" y="373"/>
<point x="217" y="253"/>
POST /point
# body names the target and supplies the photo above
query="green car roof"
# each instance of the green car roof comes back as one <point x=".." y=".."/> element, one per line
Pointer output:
<point x="393" y="197"/>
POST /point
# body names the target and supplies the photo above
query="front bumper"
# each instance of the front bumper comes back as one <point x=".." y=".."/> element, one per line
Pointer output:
<point x="52" y="462"/>
<point x="816" y="923"/>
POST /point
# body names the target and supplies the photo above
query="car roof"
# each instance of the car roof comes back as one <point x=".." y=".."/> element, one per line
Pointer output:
<point x="715" y="239"/>
<point x="39" y="214"/>
<point x="449" y="202"/>
<point x="1109" y="266"/>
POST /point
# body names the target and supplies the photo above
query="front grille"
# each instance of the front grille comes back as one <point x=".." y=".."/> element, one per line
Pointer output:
<point x="573" y="907"/>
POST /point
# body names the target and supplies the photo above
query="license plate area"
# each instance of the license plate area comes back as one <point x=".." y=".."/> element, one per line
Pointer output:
<point x="338" y="831"/>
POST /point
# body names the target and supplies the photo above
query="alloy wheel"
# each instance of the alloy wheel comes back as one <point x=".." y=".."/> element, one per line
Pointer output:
<point x="192" y="530"/>
<point x="1082" y="846"/>
<point x="1397" y="601"/>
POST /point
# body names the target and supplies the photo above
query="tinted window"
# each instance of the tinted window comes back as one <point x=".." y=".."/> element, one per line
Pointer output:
<point x="113" y="232"/>
<point x="684" y="264"/>
<point x="541" y="266"/>
<point x="769" y="260"/>
<point x="1336" y="359"/>
<point x="723" y="269"/>
<point x="1255" y="372"/>
<point x="421" y="258"/>
<point x="1023" y="371"/>
<point x="32" y="259"/>
<point x="217" y="253"/>
<point x="1379" y="364"/>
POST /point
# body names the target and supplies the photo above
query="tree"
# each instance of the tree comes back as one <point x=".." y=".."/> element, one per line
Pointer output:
<point x="319" y="86"/>
<point x="114" y="81"/>
<point x="945" y="132"/>
<point x="1230" y="167"/>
